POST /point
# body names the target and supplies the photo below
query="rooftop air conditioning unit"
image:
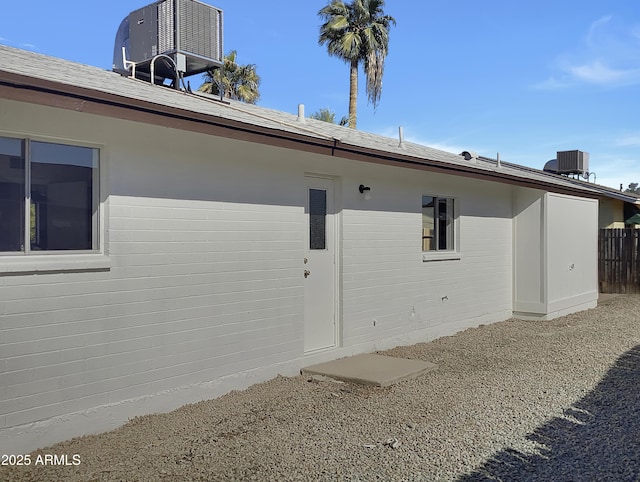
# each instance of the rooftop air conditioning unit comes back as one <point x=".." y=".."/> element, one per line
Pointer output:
<point x="169" y="36"/>
<point x="572" y="162"/>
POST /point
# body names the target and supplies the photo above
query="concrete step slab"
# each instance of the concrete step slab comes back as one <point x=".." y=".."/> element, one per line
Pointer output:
<point x="371" y="369"/>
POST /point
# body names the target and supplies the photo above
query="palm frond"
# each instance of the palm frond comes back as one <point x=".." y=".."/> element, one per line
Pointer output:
<point x="374" y="70"/>
<point x="233" y="81"/>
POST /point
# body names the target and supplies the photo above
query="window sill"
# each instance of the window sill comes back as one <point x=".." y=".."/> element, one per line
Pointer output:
<point x="53" y="262"/>
<point x="441" y="256"/>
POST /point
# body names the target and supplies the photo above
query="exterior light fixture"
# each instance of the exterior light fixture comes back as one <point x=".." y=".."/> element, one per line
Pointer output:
<point x="366" y="190"/>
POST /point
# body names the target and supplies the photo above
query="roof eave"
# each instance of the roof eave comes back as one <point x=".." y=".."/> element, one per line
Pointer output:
<point x="55" y="94"/>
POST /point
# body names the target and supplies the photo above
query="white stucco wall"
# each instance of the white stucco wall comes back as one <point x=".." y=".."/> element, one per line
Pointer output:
<point x="200" y="290"/>
<point x="529" y="261"/>
<point x="572" y="253"/>
<point x="555" y="254"/>
<point x="402" y="292"/>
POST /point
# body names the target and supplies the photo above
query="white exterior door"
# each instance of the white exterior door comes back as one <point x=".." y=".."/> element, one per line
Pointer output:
<point x="319" y="266"/>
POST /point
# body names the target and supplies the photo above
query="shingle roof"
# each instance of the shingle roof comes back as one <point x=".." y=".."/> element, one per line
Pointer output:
<point x="29" y="67"/>
<point x="605" y="191"/>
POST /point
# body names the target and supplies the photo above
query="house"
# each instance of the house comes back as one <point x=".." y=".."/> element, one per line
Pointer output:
<point x="617" y="209"/>
<point x="619" y="212"/>
<point x="160" y="247"/>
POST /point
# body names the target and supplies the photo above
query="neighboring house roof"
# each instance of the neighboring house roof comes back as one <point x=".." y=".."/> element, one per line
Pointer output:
<point x="40" y="79"/>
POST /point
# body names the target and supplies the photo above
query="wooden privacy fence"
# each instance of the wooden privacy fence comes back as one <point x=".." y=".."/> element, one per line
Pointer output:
<point x="619" y="260"/>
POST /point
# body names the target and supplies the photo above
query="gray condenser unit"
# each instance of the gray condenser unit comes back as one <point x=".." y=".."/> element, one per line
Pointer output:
<point x="572" y="162"/>
<point x="169" y="36"/>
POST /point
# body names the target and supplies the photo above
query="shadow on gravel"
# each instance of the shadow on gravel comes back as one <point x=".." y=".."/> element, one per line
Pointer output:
<point x="599" y="440"/>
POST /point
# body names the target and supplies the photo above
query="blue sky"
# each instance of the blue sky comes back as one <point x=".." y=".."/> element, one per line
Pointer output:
<point x="525" y="79"/>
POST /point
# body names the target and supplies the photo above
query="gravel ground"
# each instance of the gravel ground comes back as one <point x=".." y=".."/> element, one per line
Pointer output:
<point x="513" y="401"/>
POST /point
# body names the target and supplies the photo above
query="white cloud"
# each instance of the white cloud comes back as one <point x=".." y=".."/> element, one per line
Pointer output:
<point x="612" y="171"/>
<point x="595" y="26"/>
<point x="552" y="83"/>
<point x="629" y="140"/>
<point x="596" y="72"/>
<point x="608" y="56"/>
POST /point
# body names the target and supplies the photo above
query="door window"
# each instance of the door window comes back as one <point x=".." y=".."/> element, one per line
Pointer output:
<point x="317" y="219"/>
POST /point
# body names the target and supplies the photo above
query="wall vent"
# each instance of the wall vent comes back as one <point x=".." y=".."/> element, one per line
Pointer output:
<point x="572" y="162"/>
<point x="182" y="35"/>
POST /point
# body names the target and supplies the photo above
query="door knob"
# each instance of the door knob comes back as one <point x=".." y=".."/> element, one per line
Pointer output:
<point x="306" y="273"/>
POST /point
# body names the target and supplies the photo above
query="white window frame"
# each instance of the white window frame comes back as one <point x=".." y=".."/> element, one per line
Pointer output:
<point x="443" y="254"/>
<point x="63" y="260"/>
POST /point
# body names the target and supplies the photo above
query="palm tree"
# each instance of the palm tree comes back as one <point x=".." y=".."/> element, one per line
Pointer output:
<point x="358" y="32"/>
<point x="633" y="188"/>
<point x="238" y="82"/>
<point x="327" y="115"/>
<point x="324" y="114"/>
